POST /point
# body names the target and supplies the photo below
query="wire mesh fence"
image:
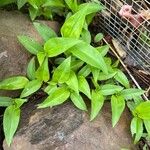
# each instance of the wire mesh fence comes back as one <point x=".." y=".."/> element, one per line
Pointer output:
<point x="129" y="22"/>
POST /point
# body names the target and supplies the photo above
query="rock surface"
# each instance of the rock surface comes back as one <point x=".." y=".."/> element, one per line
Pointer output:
<point x="67" y="128"/>
<point x="13" y="56"/>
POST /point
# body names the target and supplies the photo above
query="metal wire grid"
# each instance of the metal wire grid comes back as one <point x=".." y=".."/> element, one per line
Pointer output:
<point x="122" y="29"/>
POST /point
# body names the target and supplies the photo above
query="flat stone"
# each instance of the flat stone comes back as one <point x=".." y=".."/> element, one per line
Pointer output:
<point x="13" y="56"/>
<point x="67" y="128"/>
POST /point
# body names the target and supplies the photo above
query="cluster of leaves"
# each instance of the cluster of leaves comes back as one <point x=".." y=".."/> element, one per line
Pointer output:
<point x="46" y="8"/>
<point x="78" y="69"/>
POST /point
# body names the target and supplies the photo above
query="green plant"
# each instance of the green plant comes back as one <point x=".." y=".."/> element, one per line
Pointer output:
<point x="144" y="38"/>
<point x="78" y="69"/>
<point x="46" y="8"/>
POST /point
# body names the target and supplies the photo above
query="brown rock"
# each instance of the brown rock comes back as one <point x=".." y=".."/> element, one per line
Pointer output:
<point x="67" y="128"/>
<point x="13" y="56"/>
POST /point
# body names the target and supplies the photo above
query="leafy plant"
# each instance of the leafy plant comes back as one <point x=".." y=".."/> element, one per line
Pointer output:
<point x="79" y="70"/>
<point x="46" y="8"/>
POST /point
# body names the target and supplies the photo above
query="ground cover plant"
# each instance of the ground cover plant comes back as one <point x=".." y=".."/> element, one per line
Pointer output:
<point x="46" y="8"/>
<point x="66" y="67"/>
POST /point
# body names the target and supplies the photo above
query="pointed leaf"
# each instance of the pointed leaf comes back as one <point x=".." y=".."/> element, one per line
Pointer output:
<point x="121" y="78"/>
<point x="43" y="71"/>
<point x="76" y="64"/>
<point x="45" y="32"/>
<point x="97" y="103"/>
<point x="90" y="55"/>
<point x="86" y="36"/>
<point x="10" y="122"/>
<point x="34" y="12"/>
<point x="85" y="71"/>
<point x="143" y="110"/>
<point x="31" y="87"/>
<point x="137" y="128"/>
<point x="62" y="72"/>
<point x="14" y="83"/>
<point x="72" y="4"/>
<point x="72" y="82"/>
<point x="54" y="3"/>
<point x="95" y="73"/>
<point x="50" y="89"/>
<point x="56" y="46"/>
<point x="31" y="69"/>
<point x="31" y="45"/>
<point x="117" y="106"/>
<point x="20" y="3"/>
<point x="92" y="7"/>
<point x="131" y="93"/>
<point x="41" y="56"/>
<point x="103" y="76"/>
<point x="74" y="24"/>
<point x="5" y="101"/>
<point x="78" y="101"/>
<point x="84" y="86"/>
<point x="18" y="102"/>
<point x="103" y="50"/>
<point x="109" y="89"/>
<point x="59" y="96"/>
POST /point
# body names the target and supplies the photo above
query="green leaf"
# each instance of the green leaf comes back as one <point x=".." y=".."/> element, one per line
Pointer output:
<point x="76" y="64"/>
<point x="147" y="126"/>
<point x="54" y="3"/>
<point x="137" y="128"/>
<point x="13" y="83"/>
<point x="103" y="76"/>
<point x="34" y="12"/>
<point x="6" y="2"/>
<point x="103" y="50"/>
<point x="92" y="7"/>
<point x="59" y="96"/>
<point x="72" y="4"/>
<point x="97" y="103"/>
<point x="109" y="89"/>
<point x="31" y="45"/>
<point x="74" y="24"/>
<point x="10" y="122"/>
<point x="90" y="55"/>
<point x="45" y="32"/>
<point x="18" y="102"/>
<point x="121" y="78"/>
<point x="31" y="69"/>
<point x="59" y="60"/>
<point x="5" y="101"/>
<point x="95" y="73"/>
<point x="43" y="71"/>
<point x="131" y="93"/>
<point x="98" y="37"/>
<point x="41" y="56"/>
<point x="62" y="72"/>
<point x="50" y="89"/>
<point x="21" y="3"/>
<point x="31" y="87"/>
<point x="78" y="101"/>
<point x="72" y="82"/>
<point x="84" y="86"/>
<point x="85" y="71"/>
<point x="86" y="35"/>
<point x="117" y="106"/>
<point x="143" y="110"/>
<point x="58" y="45"/>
